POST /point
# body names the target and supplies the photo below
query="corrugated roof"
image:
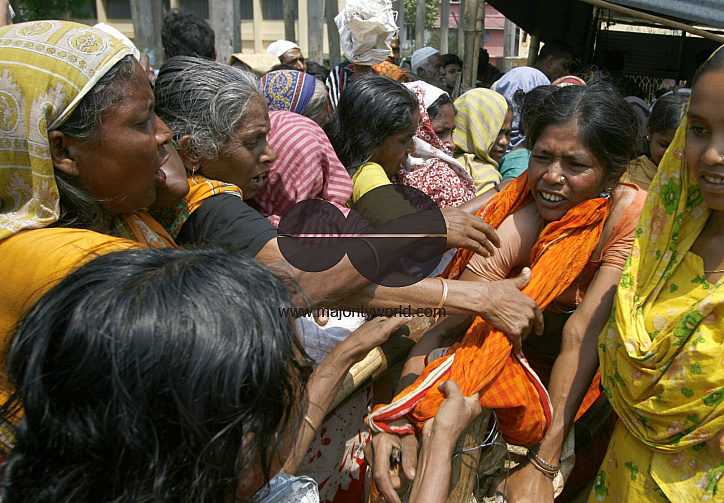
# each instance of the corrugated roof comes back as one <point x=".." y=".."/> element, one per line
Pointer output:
<point x="703" y="12"/>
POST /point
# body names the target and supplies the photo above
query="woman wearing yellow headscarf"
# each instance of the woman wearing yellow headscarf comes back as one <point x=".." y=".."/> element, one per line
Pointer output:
<point x="68" y="179"/>
<point x="662" y="352"/>
<point x="480" y="116"/>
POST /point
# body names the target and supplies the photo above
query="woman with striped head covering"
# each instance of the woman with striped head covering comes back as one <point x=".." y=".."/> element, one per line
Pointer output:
<point x="480" y="116"/>
<point x="306" y="167"/>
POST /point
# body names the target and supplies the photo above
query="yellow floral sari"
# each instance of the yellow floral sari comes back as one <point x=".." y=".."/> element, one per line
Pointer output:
<point x="662" y="353"/>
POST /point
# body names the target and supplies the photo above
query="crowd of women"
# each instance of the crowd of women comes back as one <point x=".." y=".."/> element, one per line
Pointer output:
<point x="147" y="266"/>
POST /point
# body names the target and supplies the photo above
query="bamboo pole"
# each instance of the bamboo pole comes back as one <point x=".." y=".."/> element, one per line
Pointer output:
<point x="381" y="358"/>
<point x="469" y="73"/>
<point x="444" y="26"/>
<point x="656" y="19"/>
<point x="335" y="56"/>
<point x="465" y="466"/>
<point x="461" y="30"/>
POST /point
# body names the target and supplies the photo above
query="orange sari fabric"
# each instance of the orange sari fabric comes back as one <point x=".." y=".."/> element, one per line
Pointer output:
<point x="391" y="70"/>
<point x="484" y="361"/>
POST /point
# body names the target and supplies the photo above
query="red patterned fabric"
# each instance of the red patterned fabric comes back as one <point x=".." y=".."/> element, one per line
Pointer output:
<point x="432" y="168"/>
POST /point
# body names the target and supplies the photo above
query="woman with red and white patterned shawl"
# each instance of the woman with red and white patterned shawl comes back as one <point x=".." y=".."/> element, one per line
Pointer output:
<point x="432" y="169"/>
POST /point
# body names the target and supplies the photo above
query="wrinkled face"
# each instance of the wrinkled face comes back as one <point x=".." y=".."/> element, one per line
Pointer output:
<point x="121" y="165"/>
<point x="444" y="125"/>
<point x="451" y="73"/>
<point x="394" y="56"/>
<point x="394" y="149"/>
<point x="295" y="58"/>
<point x="659" y="142"/>
<point x="497" y="151"/>
<point x="433" y="70"/>
<point x="245" y="161"/>
<point x="563" y="173"/>
<point x="704" y="150"/>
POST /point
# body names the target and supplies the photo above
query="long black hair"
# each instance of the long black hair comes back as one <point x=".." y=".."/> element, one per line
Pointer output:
<point x="151" y="376"/>
<point x="371" y="108"/>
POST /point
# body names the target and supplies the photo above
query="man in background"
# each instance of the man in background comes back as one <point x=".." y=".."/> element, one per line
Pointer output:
<point x="186" y="34"/>
<point x="288" y="53"/>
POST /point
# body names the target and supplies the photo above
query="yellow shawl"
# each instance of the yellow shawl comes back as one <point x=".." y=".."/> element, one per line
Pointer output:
<point x="667" y="386"/>
<point x="46" y="68"/>
<point x="480" y="115"/>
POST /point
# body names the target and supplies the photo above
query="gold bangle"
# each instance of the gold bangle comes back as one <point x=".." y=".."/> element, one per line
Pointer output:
<point x="444" y="293"/>
<point x="310" y="423"/>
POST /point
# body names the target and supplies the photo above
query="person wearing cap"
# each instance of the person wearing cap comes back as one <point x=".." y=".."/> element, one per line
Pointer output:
<point x="288" y="53"/>
<point x="428" y="64"/>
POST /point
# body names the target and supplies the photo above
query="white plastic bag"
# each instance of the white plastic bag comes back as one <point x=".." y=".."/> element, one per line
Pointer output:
<point x="366" y="28"/>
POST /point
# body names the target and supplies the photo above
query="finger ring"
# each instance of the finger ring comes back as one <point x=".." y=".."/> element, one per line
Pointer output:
<point x="395" y="456"/>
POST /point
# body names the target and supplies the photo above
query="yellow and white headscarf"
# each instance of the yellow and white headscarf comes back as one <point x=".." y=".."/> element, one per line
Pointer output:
<point x="480" y="115"/>
<point x="662" y="369"/>
<point x="46" y="68"/>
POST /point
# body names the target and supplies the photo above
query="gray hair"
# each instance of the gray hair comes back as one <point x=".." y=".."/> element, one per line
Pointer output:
<point x="85" y="121"/>
<point x="319" y="104"/>
<point x="204" y="99"/>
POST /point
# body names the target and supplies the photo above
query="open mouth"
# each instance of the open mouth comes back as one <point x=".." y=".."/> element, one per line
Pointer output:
<point x="714" y="180"/>
<point x="550" y="198"/>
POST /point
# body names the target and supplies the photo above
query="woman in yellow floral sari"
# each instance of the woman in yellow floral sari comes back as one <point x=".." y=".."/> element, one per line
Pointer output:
<point x="662" y="352"/>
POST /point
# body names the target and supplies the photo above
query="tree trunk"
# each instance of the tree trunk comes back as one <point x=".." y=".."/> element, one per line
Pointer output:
<point x="400" y="8"/>
<point x="315" y="14"/>
<point x="142" y="14"/>
<point x="461" y="29"/>
<point x="469" y="59"/>
<point x="510" y="48"/>
<point x="290" y="8"/>
<point x="420" y="25"/>
<point x="221" y="12"/>
<point x="335" y="55"/>
<point x="157" y="14"/>
<point x="444" y="26"/>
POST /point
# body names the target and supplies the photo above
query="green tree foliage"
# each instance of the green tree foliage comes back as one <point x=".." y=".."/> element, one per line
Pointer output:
<point x="31" y="10"/>
<point x="432" y="10"/>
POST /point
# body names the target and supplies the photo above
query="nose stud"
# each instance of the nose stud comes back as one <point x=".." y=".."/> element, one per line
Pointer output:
<point x="563" y="179"/>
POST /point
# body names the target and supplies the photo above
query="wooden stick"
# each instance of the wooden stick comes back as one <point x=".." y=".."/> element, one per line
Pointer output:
<point x="465" y="466"/>
<point x="656" y="19"/>
<point x="381" y="358"/>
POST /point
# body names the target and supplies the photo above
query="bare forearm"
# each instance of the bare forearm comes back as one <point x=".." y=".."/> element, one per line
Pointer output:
<point x="322" y="388"/>
<point x="432" y="477"/>
<point x="571" y="377"/>
<point x="426" y="294"/>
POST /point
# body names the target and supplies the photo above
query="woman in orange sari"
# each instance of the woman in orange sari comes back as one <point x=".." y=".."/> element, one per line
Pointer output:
<point x="572" y="223"/>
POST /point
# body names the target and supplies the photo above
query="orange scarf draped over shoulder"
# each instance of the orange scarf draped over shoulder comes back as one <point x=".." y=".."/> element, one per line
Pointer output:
<point x="484" y="361"/>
